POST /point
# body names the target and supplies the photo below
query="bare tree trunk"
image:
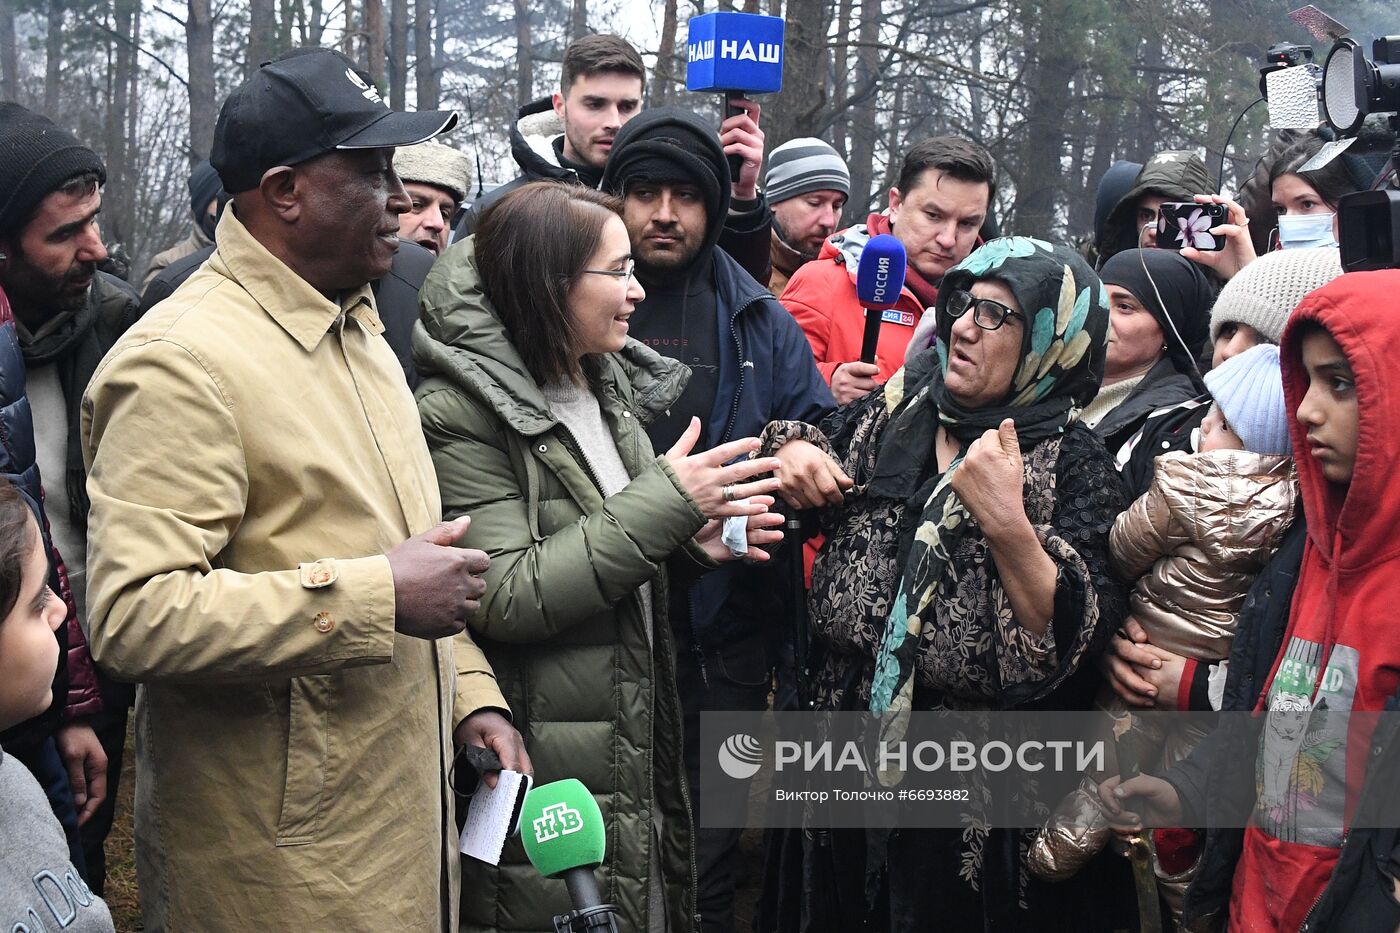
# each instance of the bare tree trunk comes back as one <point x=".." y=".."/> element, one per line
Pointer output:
<point x="775" y="7"/>
<point x="1051" y="52"/>
<point x="893" y="135"/>
<point x="9" y="53"/>
<point x="578" y="20"/>
<point x="199" y="39"/>
<point x="862" y="152"/>
<point x="524" y="55"/>
<point x="794" y="110"/>
<point x="375" y="42"/>
<point x="423" y="51"/>
<point x="119" y="203"/>
<point x="262" y="22"/>
<point x="347" y="43"/>
<point x="316" y="23"/>
<point x="841" y="71"/>
<point x="53" y="58"/>
<point x="750" y="6"/>
<point x="398" y="54"/>
<point x="663" y="79"/>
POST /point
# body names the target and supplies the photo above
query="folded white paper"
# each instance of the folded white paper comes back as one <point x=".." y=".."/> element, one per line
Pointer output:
<point x="494" y="814"/>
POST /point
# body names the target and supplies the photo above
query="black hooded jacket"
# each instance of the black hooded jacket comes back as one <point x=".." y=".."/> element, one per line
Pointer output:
<point x="766" y="372"/>
<point x="745" y="236"/>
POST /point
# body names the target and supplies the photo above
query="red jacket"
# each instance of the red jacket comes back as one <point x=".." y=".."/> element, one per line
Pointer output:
<point x="1341" y="650"/>
<point x="822" y="297"/>
<point x="83" y="698"/>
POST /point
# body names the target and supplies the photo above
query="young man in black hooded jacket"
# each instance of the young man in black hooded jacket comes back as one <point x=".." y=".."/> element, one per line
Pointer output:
<point x="751" y="364"/>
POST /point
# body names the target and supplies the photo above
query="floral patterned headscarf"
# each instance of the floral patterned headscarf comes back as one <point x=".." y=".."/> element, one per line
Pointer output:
<point x="1064" y="346"/>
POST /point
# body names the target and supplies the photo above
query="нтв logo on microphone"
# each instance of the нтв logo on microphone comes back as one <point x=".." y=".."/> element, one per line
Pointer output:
<point x="740" y="756"/>
<point x="558" y="819"/>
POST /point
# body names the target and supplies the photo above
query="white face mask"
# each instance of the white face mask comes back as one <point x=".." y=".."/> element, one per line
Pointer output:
<point x="1298" y="231"/>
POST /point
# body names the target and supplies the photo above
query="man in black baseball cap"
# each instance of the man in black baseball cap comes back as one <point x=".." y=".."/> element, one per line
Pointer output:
<point x="267" y="555"/>
<point x="309" y="102"/>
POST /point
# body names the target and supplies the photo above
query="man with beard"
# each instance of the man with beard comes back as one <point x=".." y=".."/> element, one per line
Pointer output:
<point x="567" y="137"/>
<point x="807" y="184"/>
<point x="437" y="179"/>
<point x="268" y="560"/>
<point x="936" y="209"/>
<point x="67" y="315"/>
<point x="750" y="365"/>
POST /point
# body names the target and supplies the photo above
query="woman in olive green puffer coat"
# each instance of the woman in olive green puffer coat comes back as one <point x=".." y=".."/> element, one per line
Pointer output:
<point x="542" y="442"/>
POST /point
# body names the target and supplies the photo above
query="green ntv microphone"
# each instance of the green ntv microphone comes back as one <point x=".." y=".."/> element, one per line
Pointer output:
<point x="562" y="829"/>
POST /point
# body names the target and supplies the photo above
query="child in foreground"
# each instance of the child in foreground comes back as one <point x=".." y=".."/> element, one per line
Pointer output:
<point x="39" y="887"/>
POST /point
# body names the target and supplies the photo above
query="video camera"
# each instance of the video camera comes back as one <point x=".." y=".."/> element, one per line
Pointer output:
<point x="1353" y="87"/>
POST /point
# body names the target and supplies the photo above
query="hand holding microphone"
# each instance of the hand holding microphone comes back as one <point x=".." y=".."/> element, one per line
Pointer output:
<point x="879" y="283"/>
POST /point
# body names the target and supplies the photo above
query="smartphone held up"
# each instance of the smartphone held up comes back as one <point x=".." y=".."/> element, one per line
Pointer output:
<point x="1186" y="223"/>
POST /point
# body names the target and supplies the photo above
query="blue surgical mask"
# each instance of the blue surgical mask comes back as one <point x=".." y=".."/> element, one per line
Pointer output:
<point x="1299" y="231"/>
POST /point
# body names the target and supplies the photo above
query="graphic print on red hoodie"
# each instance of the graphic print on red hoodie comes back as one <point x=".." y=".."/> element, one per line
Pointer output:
<point x="1342" y="648"/>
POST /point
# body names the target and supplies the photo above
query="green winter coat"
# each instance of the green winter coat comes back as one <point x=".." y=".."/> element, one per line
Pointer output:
<point x="562" y="621"/>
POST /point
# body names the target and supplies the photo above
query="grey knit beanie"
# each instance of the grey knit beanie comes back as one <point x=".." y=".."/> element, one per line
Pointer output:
<point x="802" y="165"/>
<point x="1266" y="291"/>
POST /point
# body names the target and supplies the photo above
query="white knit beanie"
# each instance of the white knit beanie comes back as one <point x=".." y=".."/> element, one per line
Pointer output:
<point x="1266" y="291"/>
<point x="432" y="163"/>
<point x="1249" y="390"/>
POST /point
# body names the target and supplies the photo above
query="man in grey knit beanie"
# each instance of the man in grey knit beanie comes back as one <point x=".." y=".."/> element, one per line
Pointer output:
<point x="807" y="185"/>
<point x="1254" y="305"/>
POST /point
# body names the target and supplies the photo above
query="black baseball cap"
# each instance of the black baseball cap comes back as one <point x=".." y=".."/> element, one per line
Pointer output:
<point x="306" y="103"/>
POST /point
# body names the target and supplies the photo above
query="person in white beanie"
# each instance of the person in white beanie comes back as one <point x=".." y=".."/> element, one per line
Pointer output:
<point x="1191" y="546"/>
<point x="437" y="179"/>
<point x="1254" y="305"/>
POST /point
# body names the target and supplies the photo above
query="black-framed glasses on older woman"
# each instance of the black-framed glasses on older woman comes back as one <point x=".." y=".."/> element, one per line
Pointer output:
<point x="987" y="314"/>
<point x="625" y="273"/>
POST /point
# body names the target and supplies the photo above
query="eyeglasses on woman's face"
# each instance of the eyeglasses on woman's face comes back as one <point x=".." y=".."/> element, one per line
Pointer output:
<point x="986" y="314"/>
<point x="625" y="273"/>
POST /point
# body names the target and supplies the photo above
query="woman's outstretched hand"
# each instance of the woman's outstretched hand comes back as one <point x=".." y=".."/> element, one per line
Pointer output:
<point x="719" y="490"/>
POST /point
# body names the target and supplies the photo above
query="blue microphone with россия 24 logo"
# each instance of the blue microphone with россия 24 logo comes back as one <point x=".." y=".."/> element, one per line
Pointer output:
<point x="879" y="281"/>
<point x="564" y="837"/>
<point x="734" y="55"/>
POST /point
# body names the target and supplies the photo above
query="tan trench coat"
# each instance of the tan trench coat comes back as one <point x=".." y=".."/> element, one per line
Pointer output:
<point x="252" y="454"/>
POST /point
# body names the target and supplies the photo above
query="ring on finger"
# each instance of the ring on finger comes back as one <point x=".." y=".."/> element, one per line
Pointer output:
<point x="727" y="491"/>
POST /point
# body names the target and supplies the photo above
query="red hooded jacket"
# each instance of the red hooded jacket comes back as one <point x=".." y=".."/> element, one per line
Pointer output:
<point x="1342" y="648"/>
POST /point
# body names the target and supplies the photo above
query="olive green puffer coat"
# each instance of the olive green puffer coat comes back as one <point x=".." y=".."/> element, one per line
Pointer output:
<point x="561" y="622"/>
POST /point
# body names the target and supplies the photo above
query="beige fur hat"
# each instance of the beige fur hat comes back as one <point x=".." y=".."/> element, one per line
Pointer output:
<point x="432" y="163"/>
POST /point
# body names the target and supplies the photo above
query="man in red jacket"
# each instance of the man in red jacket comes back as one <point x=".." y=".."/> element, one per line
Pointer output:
<point x="936" y="209"/>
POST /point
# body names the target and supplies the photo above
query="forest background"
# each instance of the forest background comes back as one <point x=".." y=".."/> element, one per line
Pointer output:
<point x="1055" y="89"/>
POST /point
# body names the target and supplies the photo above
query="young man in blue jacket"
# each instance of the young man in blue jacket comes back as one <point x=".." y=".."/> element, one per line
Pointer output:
<point x="750" y="364"/>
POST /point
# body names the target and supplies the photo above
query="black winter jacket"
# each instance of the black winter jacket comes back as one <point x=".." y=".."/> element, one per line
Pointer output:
<point x="1216" y="778"/>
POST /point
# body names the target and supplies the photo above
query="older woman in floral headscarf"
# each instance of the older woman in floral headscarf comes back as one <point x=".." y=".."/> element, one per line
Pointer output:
<point x="966" y="563"/>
